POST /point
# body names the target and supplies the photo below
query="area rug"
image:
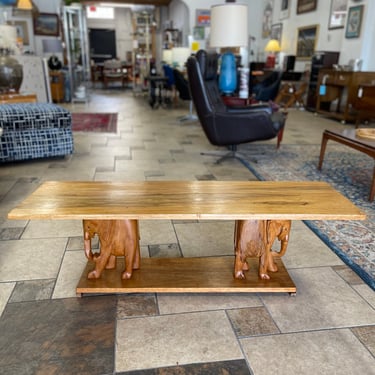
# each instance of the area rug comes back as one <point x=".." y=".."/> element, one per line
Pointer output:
<point x="94" y="122"/>
<point x="349" y="172"/>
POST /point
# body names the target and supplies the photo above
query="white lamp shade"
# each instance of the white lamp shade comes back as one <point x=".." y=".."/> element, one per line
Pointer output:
<point x="167" y="56"/>
<point x="8" y="36"/>
<point x="229" y="25"/>
<point x="180" y="55"/>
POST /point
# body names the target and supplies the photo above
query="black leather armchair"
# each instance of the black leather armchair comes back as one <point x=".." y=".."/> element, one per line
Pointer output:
<point x="224" y="125"/>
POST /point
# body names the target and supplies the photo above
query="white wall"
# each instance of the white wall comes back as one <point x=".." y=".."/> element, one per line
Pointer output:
<point x="329" y="40"/>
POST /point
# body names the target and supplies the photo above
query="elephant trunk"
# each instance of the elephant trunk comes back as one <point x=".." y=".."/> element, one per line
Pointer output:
<point x="283" y="247"/>
<point x="87" y="244"/>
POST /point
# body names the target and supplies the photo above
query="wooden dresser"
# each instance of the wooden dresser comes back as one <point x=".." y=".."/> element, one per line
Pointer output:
<point x="338" y="91"/>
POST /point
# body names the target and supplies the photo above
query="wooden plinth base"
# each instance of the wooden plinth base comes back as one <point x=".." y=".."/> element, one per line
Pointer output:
<point x="186" y="275"/>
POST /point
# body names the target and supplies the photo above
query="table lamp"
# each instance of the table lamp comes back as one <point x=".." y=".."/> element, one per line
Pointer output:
<point x="25" y="4"/>
<point x="272" y="46"/>
<point x="229" y="29"/>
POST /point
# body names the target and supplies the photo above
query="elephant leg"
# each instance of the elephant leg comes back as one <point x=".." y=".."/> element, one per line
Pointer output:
<point x="111" y="264"/>
<point x="272" y="267"/>
<point x="100" y="263"/>
<point x="240" y="265"/>
<point x="263" y="265"/>
<point x="137" y="256"/>
<point x="132" y="248"/>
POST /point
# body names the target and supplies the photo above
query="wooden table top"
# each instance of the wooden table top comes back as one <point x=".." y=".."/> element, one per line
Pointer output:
<point x="219" y="200"/>
<point x="17" y="98"/>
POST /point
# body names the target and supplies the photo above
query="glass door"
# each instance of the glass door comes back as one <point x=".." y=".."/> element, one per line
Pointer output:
<point x="77" y="52"/>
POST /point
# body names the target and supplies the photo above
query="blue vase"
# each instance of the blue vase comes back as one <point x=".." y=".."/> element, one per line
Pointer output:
<point x="228" y="73"/>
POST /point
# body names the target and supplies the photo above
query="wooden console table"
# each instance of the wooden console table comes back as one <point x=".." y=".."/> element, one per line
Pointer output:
<point x="341" y="86"/>
<point x="186" y="200"/>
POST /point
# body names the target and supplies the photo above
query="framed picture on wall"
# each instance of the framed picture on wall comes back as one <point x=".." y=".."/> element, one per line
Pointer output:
<point x="353" y="25"/>
<point x="285" y="9"/>
<point x="46" y="24"/>
<point x="22" y="30"/>
<point x="203" y="17"/>
<point x="304" y="6"/>
<point x="337" y="15"/>
<point x="267" y="19"/>
<point x="276" y="31"/>
<point x="306" y="41"/>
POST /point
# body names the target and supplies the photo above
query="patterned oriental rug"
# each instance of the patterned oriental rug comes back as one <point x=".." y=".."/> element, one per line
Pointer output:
<point x="94" y="122"/>
<point x="349" y="172"/>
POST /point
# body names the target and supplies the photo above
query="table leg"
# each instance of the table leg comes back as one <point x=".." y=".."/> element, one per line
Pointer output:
<point x="372" y="190"/>
<point x="322" y="150"/>
<point x="254" y="238"/>
<point x="117" y="238"/>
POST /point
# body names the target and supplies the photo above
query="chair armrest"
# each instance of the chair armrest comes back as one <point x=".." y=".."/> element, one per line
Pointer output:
<point x="250" y="108"/>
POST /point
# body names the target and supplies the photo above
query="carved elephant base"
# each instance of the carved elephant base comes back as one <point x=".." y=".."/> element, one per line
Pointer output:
<point x="116" y="238"/>
<point x="254" y="238"/>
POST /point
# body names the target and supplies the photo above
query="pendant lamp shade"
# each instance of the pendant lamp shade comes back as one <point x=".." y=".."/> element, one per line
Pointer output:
<point x="229" y="25"/>
<point x="24" y="4"/>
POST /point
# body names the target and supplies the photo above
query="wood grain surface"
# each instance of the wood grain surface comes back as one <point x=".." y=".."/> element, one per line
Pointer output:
<point x="218" y="200"/>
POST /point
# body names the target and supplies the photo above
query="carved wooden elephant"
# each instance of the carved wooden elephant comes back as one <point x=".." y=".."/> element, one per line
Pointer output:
<point x="116" y="238"/>
<point x="254" y="238"/>
<point x="279" y="229"/>
<point x="249" y="241"/>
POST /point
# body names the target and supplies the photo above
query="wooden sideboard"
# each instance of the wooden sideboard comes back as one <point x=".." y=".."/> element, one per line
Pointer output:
<point x="338" y="97"/>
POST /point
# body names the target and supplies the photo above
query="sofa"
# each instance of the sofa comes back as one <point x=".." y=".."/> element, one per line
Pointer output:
<point x="34" y="130"/>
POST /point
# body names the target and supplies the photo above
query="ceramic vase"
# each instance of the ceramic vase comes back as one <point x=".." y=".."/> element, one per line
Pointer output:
<point x="11" y="74"/>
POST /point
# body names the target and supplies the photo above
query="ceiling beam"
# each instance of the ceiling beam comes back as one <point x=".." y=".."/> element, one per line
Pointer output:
<point x="136" y="2"/>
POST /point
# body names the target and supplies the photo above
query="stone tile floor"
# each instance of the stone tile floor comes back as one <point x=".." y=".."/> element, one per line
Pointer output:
<point x="329" y="327"/>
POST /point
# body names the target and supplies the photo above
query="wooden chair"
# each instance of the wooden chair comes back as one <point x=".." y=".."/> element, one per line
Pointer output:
<point x="289" y="95"/>
<point x="113" y="71"/>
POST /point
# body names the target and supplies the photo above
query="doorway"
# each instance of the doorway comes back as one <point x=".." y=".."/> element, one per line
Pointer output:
<point x="102" y="44"/>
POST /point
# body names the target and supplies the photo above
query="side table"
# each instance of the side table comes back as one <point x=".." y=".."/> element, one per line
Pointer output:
<point x="18" y="98"/>
<point x="57" y="86"/>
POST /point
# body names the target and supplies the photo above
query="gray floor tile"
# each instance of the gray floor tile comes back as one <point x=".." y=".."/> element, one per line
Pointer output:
<point x="174" y="339"/>
<point x="323" y="301"/>
<point x="308" y="353"/>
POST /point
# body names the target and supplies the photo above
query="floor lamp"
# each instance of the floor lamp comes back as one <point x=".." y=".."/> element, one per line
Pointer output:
<point x="229" y="29"/>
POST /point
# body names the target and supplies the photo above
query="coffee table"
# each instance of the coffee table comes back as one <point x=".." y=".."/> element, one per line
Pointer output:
<point x="348" y="138"/>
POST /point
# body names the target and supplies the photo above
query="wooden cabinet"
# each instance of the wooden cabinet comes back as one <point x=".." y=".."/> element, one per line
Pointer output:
<point x="57" y="86"/>
<point x="338" y="91"/>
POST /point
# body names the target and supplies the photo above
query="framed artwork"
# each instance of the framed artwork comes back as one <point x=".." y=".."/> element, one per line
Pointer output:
<point x="276" y="31"/>
<point x="203" y="17"/>
<point x="199" y="33"/>
<point x="285" y="9"/>
<point x="337" y="15"/>
<point x="46" y="24"/>
<point x="22" y="31"/>
<point x="267" y="19"/>
<point x="353" y="25"/>
<point x="306" y="41"/>
<point x="304" y="6"/>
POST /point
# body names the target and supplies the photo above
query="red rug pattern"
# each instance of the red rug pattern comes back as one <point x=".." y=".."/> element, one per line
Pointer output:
<point x="94" y="122"/>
